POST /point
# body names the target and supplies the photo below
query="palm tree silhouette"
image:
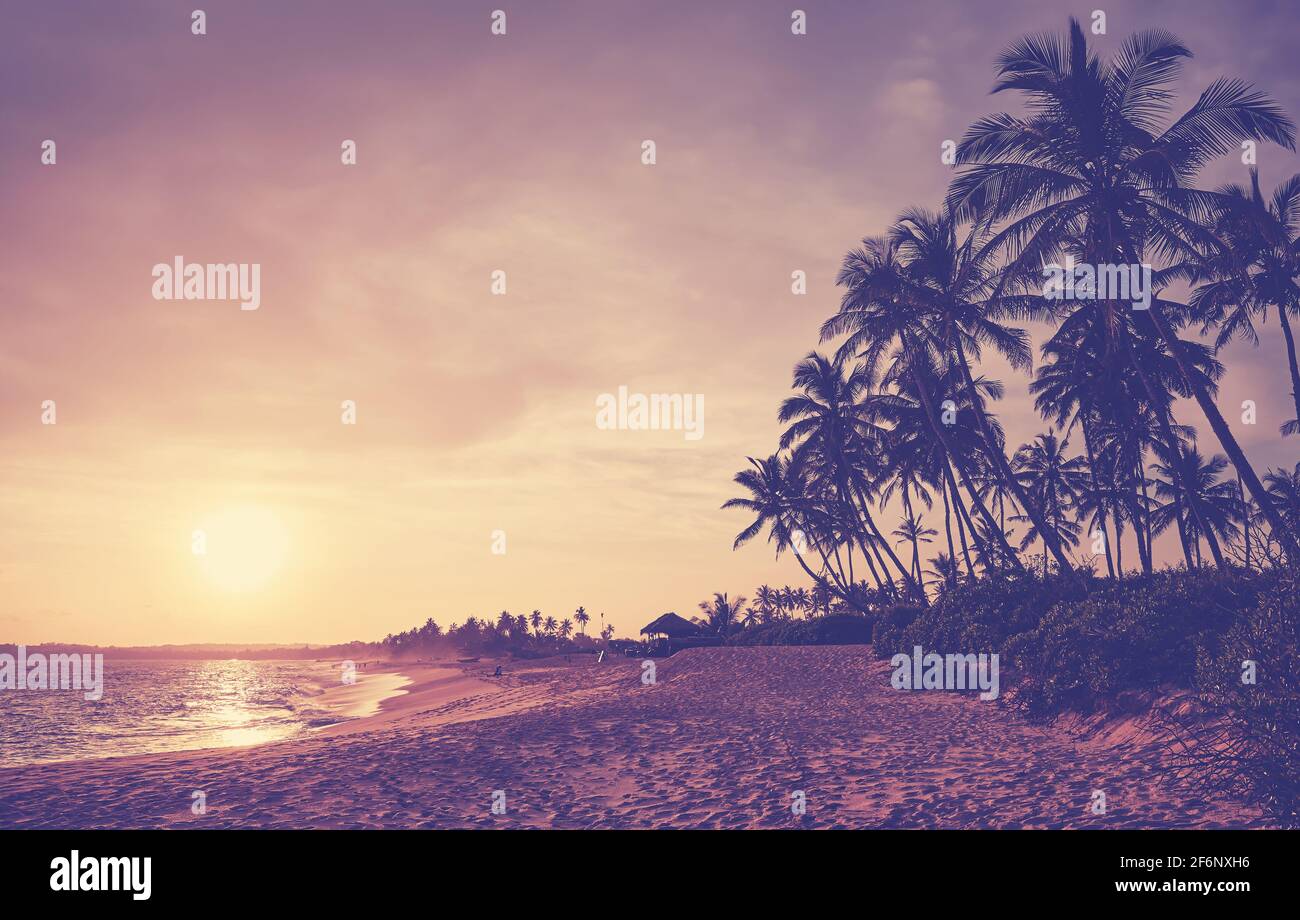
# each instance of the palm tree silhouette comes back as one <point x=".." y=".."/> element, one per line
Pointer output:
<point x="1256" y="268"/>
<point x="1055" y="482"/>
<point x="1089" y="171"/>
<point x="1213" y="505"/>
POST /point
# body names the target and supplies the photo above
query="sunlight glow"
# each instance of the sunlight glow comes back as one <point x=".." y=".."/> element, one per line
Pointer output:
<point x="245" y="547"/>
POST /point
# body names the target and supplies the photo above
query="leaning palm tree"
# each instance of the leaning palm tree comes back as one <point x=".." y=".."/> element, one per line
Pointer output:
<point x="779" y="498"/>
<point x="952" y="284"/>
<point x="882" y="323"/>
<point x="1090" y="171"/>
<point x="833" y="436"/>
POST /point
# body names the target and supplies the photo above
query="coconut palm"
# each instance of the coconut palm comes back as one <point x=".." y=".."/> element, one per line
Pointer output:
<point x="1089" y="170"/>
<point x="1256" y="269"/>
<point x="1212" y="505"/>
<point x="833" y="436"/>
<point x="952" y="283"/>
<point x="779" y="497"/>
<point x="912" y="530"/>
<point x="1055" y="481"/>
<point x="722" y="613"/>
<point x="583" y="619"/>
<point x="882" y="323"/>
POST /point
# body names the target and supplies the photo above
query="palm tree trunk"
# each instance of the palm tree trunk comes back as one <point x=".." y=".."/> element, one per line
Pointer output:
<point x="1172" y="442"/>
<point x="916" y="549"/>
<point x="1224" y="434"/>
<point x="1214" y="550"/>
<point x="1245" y="522"/>
<point x="880" y="543"/>
<point x="1291" y="359"/>
<point x="964" y="524"/>
<point x="1101" y="508"/>
<point x="1148" y="560"/>
<point x="1035" y="514"/>
<point x="937" y="427"/>
<point x="947" y="528"/>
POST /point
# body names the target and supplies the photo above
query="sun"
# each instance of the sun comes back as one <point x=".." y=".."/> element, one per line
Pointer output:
<point x="241" y="548"/>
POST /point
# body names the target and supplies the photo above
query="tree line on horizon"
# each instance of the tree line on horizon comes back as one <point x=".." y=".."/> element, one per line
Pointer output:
<point x="1097" y="172"/>
<point x="528" y="633"/>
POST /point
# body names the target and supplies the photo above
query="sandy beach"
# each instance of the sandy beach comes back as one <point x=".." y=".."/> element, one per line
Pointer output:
<point x="723" y="739"/>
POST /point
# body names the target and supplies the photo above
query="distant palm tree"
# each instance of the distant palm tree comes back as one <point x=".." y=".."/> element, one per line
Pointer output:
<point x="1055" y="481"/>
<point x="722" y="613"/>
<point x="583" y="619"/>
<point x="535" y="618"/>
<point x="548" y="626"/>
<point x="566" y="628"/>
<point x="913" y="531"/>
<point x="779" y="496"/>
<point x="1212" y="505"/>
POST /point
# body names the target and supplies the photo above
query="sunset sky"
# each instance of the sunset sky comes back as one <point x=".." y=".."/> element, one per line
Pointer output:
<point x="475" y="412"/>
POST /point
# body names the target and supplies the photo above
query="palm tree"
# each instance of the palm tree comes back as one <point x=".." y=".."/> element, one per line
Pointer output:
<point x="943" y="568"/>
<point x="548" y="626"/>
<point x="778" y="496"/>
<point x="1284" y="490"/>
<point x="1256" y="269"/>
<point x="1055" y="481"/>
<point x="1089" y="169"/>
<point x="913" y="531"/>
<point x="583" y="619"/>
<point x="722" y="613"/>
<point x="833" y="437"/>
<point x="766" y="599"/>
<point x="535" y="618"/>
<point x="1213" y="505"/>
<point x="880" y="319"/>
<point x="566" y="628"/>
<point x="952" y="284"/>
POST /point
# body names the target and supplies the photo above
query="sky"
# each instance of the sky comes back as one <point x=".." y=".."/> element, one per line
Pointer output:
<point x="475" y="412"/>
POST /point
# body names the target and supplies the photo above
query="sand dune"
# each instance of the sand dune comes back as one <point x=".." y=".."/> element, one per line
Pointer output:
<point x="723" y="738"/>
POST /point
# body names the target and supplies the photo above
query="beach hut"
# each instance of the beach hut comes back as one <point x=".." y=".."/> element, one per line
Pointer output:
<point x="670" y="626"/>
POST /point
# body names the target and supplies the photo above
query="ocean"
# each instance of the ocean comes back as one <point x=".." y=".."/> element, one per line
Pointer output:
<point x="155" y="706"/>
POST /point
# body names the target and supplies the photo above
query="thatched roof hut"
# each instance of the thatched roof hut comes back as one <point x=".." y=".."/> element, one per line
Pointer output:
<point x="671" y="626"/>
